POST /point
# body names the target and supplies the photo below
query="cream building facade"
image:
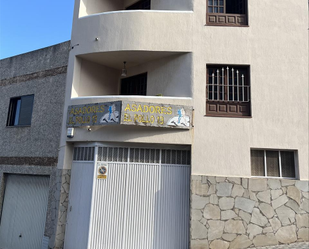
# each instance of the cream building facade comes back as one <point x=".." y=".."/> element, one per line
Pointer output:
<point x="235" y="175"/>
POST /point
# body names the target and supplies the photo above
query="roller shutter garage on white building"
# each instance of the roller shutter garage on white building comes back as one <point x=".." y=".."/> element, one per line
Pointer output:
<point x="24" y="212"/>
<point x="144" y="202"/>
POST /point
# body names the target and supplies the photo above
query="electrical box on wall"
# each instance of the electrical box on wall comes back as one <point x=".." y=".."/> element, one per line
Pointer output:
<point x="70" y="132"/>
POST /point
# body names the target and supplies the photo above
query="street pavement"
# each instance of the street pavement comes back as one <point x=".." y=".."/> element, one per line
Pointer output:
<point x="302" y="245"/>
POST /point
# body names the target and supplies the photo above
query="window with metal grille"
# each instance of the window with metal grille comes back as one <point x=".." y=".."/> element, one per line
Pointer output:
<point x="227" y="12"/>
<point x="135" y="85"/>
<point x="83" y="154"/>
<point x="140" y="5"/>
<point x="20" y="111"/>
<point x="273" y="163"/>
<point x="228" y="91"/>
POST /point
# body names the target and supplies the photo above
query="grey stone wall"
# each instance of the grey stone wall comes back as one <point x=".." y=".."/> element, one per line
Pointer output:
<point x="230" y="213"/>
<point x="59" y="206"/>
<point x="42" y="73"/>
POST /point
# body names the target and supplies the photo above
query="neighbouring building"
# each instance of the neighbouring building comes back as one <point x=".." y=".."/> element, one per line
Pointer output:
<point x="185" y="125"/>
<point x="32" y="91"/>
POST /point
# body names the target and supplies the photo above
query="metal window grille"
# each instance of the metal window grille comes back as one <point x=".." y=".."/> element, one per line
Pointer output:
<point x="144" y="155"/>
<point x="140" y="5"/>
<point x="135" y="85"/>
<point x="83" y="154"/>
<point x="228" y="84"/>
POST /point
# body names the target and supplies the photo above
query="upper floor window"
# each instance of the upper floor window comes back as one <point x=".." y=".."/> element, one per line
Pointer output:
<point x="140" y="5"/>
<point x="227" y="12"/>
<point x="20" y="111"/>
<point x="135" y="85"/>
<point x="228" y="91"/>
<point x="273" y="163"/>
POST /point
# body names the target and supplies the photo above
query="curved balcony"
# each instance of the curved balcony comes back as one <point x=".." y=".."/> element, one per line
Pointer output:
<point x="185" y="101"/>
<point x="133" y="30"/>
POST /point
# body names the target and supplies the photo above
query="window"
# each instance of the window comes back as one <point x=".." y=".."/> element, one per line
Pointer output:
<point x="273" y="163"/>
<point x="135" y="85"/>
<point x="20" y="111"/>
<point x="228" y="91"/>
<point x="140" y="5"/>
<point x="227" y="12"/>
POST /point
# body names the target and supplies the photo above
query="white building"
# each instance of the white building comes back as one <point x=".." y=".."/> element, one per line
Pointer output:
<point x="221" y="88"/>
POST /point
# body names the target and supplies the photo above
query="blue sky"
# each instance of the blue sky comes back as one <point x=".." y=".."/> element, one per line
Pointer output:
<point x="29" y="25"/>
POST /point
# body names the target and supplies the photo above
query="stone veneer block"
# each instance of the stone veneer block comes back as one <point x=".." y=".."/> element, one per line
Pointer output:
<point x="253" y="230"/>
<point x="212" y="212"/>
<point x="257" y="184"/>
<point x="199" y="244"/>
<point x="228" y="214"/>
<point x="274" y="183"/>
<point x="244" y="204"/>
<point x="306" y="195"/>
<point x="294" y="194"/>
<point x="245" y="216"/>
<point x="199" y="189"/>
<point x="276" y="193"/>
<point x="302" y="185"/>
<point x="286" y="235"/>
<point x="229" y="236"/>
<point x="215" y="230"/>
<point x="294" y="206"/>
<point x="258" y="218"/>
<point x="235" y="180"/>
<point x="303" y="234"/>
<point x="302" y="220"/>
<point x="305" y="205"/>
<point x="267" y="210"/>
<point x="264" y="196"/>
<point x="220" y="179"/>
<point x="238" y="190"/>
<point x="196" y="214"/>
<point x="226" y="203"/>
<point x="198" y="230"/>
<point x="286" y="215"/>
<point x="241" y="242"/>
<point x="219" y="244"/>
<point x="244" y="182"/>
<point x="234" y="226"/>
<point x="198" y="202"/>
<point x="265" y="240"/>
<point x="213" y="199"/>
<point x="224" y="189"/>
<point x="279" y="201"/>
<point x="285" y="182"/>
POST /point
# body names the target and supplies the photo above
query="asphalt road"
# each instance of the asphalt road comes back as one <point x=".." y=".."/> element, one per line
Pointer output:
<point x="302" y="245"/>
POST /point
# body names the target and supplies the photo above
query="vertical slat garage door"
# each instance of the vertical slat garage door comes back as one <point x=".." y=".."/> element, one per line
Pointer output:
<point x="24" y="212"/>
<point x="144" y="202"/>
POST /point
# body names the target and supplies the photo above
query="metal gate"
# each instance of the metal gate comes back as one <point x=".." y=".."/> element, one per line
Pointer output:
<point x="24" y="212"/>
<point x="144" y="203"/>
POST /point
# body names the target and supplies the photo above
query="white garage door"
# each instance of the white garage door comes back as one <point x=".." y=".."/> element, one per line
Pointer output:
<point x="24" y="212"/>
<point x="144" y="202"/>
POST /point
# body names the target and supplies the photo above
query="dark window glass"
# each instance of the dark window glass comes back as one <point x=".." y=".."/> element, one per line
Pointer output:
<point x="135" y="85"/>
<point x="257" y="163"/>
<point x="20" y="111"/>
<point x="287" y="164"/>
<point x="140" y="5"/>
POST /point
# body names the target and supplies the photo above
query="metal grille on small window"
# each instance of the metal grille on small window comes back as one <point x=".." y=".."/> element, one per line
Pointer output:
<point x="83" y="154"/>
<point x="228" y="84"/>
<point x="144" y="155"/>
<point x="113" y="154"/>
<point x="176" y="157"/>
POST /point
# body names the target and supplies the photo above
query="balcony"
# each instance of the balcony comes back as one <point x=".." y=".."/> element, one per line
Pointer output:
<point x="168" y="74"/>
<point x="133" y="30"/>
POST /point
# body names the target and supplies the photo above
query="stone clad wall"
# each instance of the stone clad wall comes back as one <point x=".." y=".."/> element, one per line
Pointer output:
<point x="232" y="213"/>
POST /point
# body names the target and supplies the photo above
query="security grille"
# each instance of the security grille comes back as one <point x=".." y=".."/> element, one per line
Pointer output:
<point x="83" y="154"/>
<point x="144" y="155"/>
